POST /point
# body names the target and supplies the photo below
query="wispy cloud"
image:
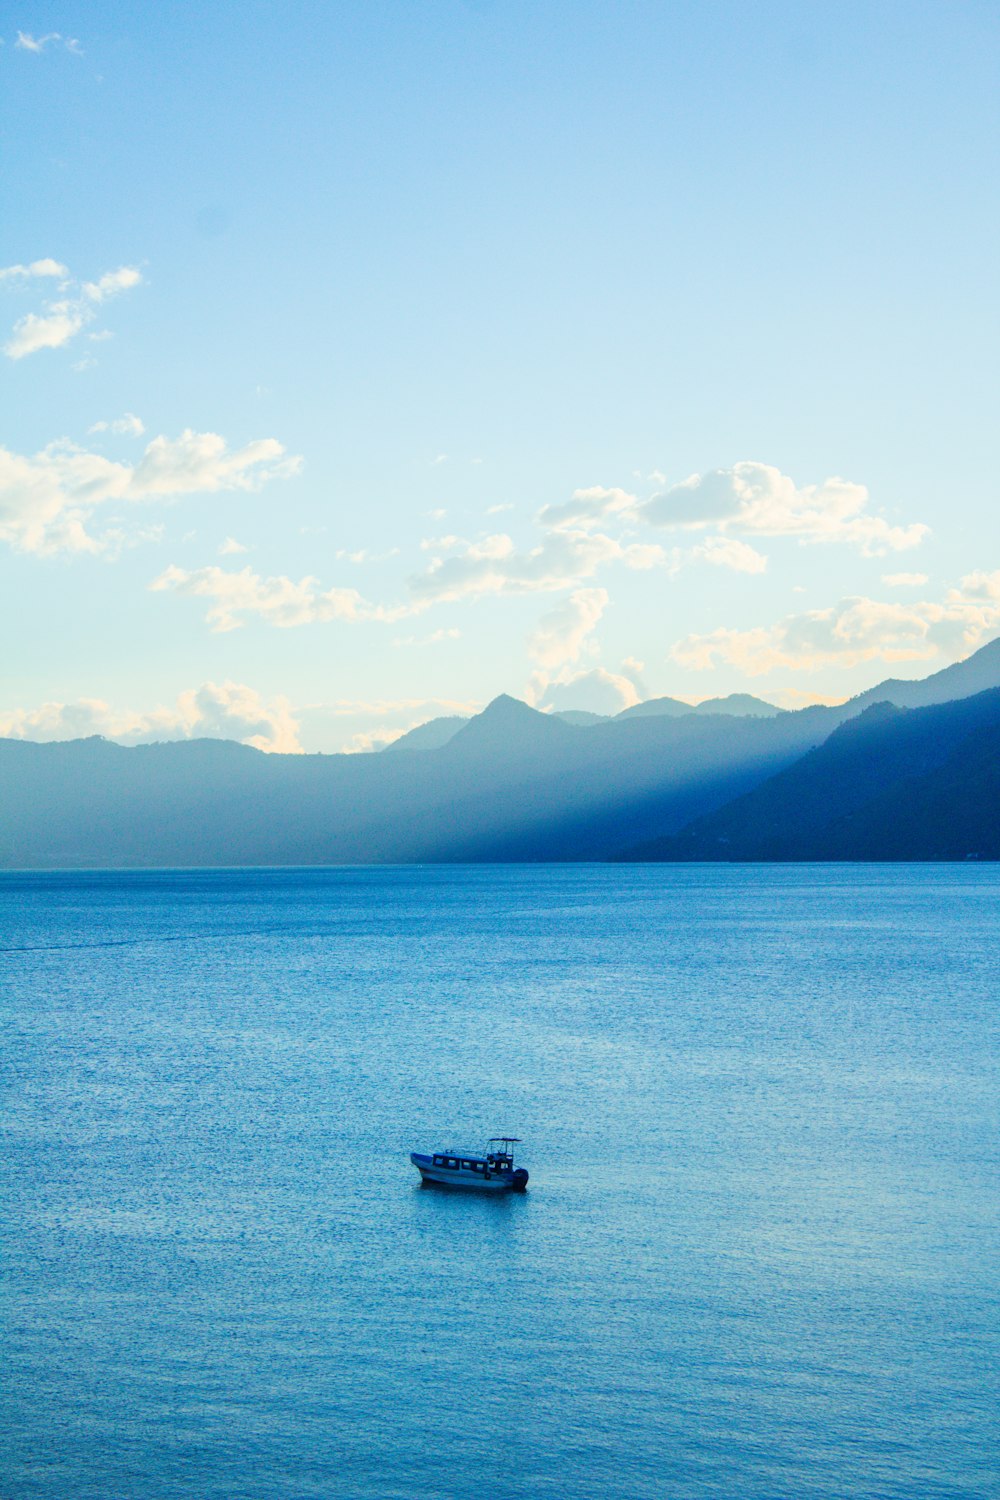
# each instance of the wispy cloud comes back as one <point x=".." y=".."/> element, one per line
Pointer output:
<point x="37" y="44"/>
<point x="904" y="580"/>
<point x="730" y="552"/>
<point x="128" y="425"/>
<point x="434" y="639"/>
<point x="279" y="601"/>
<point x="856" y="630"/>
<point x="494" y="565"/>
<point x="62" y="318"/>
<point x="757" y="499"/>
<point x="46" y="267"/>
<point x="47" y="500"/>
<point x="561" y="634"/>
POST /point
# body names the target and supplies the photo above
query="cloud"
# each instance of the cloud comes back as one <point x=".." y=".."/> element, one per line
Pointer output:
<point x="111" y="283"/>
<point x="495" y="566"/>
<point x="588" y="508"/>
<point x="561" y="634"/>
<point x="28" y="43"/>
<point x="853" y="631"/>
<point x="596" y="691"/>
<point x="128" y="425"/>
<point x="277" y="601"/>
<point x="758" y="499"/>
<point x="228" y="710"/>
<point x="231" y="546"/>
<point x="729" y="552"/>
<point x="46" y="267"/>
<point x="977" y="587"/>
<point x="62" y="319"/>
<point x="904" y="580"/>
<point x="47" y="500"/>
<point x="434" y="639"/>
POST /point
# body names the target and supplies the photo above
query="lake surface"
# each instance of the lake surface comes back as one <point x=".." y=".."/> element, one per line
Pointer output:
<point x="758" y="1256"/>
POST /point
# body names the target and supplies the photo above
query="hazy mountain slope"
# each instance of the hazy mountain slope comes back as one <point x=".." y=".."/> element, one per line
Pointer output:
<point x="738" y="703"/>
<point x="511" y="783"/>
<point x="656" y="707"/>
<point x="977" y="674"/>
<point x="880" y="782"/>
<point x="577" y="795"/>
<point x="430" y="736"/>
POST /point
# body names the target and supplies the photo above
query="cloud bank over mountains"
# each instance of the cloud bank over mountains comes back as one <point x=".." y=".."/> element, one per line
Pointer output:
<point x="856" y="630"/>
<point x="228" y="710"/>
<point x="73" y="498"/>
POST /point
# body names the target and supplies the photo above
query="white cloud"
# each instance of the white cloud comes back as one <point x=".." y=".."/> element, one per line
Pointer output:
<point x="111" y="283"/>
<point x="758" y="499"/>
<point x="730" y="552"/>
<point x="128" y="425"/>
<point x="227" y="710"/>
<point x="904" y="580"/>
<point x="588" y="508"/>
<point x="62" y="320"/>
<point x="434" y="639"/>
<point x="495" y="566"/>
<point x="596" y="691"/>
<point x="47" y="500"/>
<point x="28" y="43"/>
<point x="46" y="267"/>
<point x="853" y="631"/>
<point x="56" y="327"/>
<point x="277" y="601"/>
<point x="561" y="634"/>
<point x="978" y="587"/>
<point x="230" y="547"/>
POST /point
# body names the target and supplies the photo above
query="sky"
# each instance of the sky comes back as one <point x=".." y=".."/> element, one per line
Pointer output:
<point x="362" y="361"/>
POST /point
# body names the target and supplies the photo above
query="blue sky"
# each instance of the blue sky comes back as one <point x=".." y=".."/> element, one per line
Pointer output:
<point x="363" y="361"/>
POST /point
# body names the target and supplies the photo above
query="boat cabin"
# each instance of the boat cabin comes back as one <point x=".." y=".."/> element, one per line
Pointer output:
<point x="498" y="1158"/>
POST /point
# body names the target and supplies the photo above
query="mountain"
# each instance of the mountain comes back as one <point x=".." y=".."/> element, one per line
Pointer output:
<point x="509" y="784"/>
<point x="962" y="679"/>
<point x="430" y="736"/>
<point x="893" y="783"/>
<point x="582" y="718"/>
<point x="655" y="707"/>
<point x="738" y="703"/>
<point x="437" y="732"/>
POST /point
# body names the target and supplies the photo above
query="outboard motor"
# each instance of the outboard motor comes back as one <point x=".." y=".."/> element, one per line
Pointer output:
<point x="519" y="1181"/>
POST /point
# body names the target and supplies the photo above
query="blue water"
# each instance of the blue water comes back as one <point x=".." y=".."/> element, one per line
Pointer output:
<point x="758" y="1256"/>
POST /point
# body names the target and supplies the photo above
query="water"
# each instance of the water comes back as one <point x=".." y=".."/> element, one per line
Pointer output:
<point x="758" y="1256"/>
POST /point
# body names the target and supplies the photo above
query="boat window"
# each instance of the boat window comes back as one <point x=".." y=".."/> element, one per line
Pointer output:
<point x="438" y="1161"/>
<point x="467" y="1166"/>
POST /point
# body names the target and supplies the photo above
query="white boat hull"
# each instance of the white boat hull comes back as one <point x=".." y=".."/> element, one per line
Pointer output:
<point x="464" y="1177"/>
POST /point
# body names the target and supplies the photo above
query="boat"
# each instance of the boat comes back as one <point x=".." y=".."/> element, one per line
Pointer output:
<point x="491" y="1172"/>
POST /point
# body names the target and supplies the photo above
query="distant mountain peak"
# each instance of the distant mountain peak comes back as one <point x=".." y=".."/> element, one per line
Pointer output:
<point x="506" y="723"/>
